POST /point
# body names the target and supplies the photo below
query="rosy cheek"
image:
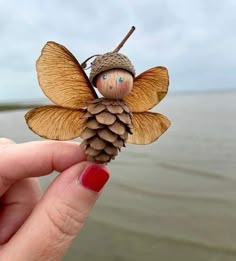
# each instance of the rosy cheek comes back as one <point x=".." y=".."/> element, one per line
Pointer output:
<point x="100" y="84"/>
<point x="124" y="87"/>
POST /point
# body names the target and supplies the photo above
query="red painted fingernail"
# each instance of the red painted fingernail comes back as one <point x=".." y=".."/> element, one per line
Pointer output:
<point x="94" y="177"/>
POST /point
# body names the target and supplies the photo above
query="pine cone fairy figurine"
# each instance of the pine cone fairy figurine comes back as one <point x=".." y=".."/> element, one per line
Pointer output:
<point x="105" y="124"/>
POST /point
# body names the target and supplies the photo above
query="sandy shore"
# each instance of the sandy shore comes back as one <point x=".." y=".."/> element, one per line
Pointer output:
<point x="172" y="200"/>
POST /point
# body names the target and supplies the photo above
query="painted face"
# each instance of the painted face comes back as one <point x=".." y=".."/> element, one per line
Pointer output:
<point x="115" y="83"/>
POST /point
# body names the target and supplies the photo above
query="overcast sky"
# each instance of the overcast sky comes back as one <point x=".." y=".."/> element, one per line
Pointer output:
<point x="195" y="40"/>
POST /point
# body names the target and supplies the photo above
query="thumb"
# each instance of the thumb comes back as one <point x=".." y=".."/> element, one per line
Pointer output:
<point x="60" y="214"/>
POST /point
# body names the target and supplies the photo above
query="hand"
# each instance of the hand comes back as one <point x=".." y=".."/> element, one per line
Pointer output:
<point x="42" y="227"/>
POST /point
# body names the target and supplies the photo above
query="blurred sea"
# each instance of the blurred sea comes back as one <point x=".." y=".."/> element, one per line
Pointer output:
<point x="171" y="200"/>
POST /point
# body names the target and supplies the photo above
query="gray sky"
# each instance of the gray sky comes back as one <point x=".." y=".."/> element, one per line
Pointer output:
<point x="195" y="40"/>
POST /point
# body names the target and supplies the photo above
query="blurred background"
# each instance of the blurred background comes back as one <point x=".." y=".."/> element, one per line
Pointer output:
<point x="171" y="200"/>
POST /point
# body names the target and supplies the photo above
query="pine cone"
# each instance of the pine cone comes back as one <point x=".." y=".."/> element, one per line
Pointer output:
<point x="108" y="125"/>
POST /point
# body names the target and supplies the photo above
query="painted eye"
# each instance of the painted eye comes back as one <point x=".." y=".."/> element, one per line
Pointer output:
<point x="104" y="76"/>
<point x="121" y="79"/>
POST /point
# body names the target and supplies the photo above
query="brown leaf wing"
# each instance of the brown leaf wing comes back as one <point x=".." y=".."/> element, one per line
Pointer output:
<point x="147" y="127"/>
<point x="55" y="122"/>
<point x="62" y="79"/>
<point x="149" y="89"/>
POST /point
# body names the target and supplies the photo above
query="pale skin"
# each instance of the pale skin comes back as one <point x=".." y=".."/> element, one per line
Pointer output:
<point x="115" y="83"/>
<point x="36" y="226"/>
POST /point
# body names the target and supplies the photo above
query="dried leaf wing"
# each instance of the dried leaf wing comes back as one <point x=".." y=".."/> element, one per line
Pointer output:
<point x="149" y="88"/>
<point x="62" y="79"/>
<point x="55" y="122"/>
<point x="147" y="127"/>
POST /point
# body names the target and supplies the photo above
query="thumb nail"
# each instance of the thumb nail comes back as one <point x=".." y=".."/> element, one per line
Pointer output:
<point x="94" y="177"/>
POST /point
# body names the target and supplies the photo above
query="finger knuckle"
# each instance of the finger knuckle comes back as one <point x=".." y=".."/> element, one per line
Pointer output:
<point x="6" y="181"/>
<point x="4" y="141"/>
<point x="65" y="218"/>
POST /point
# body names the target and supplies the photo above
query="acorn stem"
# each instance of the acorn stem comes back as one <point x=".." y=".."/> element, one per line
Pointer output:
<point x="125" y="39"/>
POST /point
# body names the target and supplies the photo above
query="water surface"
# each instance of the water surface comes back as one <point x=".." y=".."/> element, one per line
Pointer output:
<point x="171" y="200"/>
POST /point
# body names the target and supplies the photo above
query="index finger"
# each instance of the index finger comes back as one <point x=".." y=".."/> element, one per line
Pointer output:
<point x="34" y="159"/>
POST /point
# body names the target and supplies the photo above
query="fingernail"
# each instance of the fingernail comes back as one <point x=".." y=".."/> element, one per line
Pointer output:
<point x="94" y="177"/>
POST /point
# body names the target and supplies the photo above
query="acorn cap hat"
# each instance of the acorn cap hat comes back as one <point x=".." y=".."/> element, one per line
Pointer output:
<point x="108" y="61"/>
